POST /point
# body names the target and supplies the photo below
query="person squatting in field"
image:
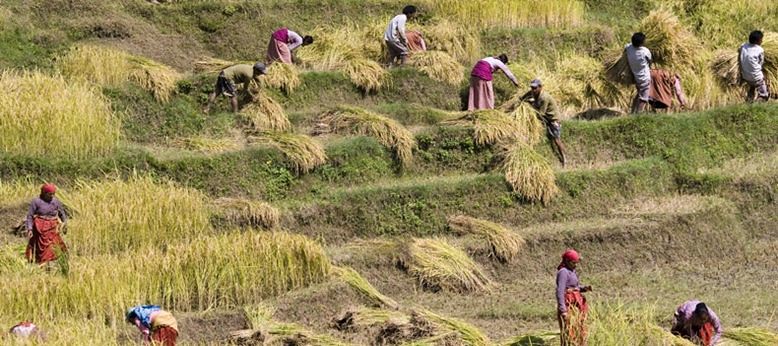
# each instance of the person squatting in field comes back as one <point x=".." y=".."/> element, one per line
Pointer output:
<point x="229" y="77"/>
<point x="395" y="37"/>
<point x="45" y="218"/>
<point x="546" y="108"/>
<point x="664" y="86"/>
<point x="158" y="326"/>
<point x="751" y="61"/>
<point x="282" y="42"/>
<point x="695" y="321"/>
<point x="481" y="94"/>
<point x="571" y="304"/>
<point x="639" y="59"/>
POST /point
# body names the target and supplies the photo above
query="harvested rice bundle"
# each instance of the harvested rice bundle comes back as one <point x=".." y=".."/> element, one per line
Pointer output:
<point x="285" y="77"/>
<point x="361" y="285"/>
<point x="439" y="265"/>
<point x="94" y="63"/>
<point x="366" y="74"/>
<point x="460" y="42"/>
<point x="617" y="68"/>
<point x="752" y="336"/>
<point x="302" y="152"/>
<point x="387" y="131"/>
<point x="536" y="338"/>
<point x="157" y="78"/>
<point x="770" y="68"/>
<point x="505" y="244"/>
<point x="726" y="67"/>
<point x="266" y="114"/>
<point x="332" y="48"/>
<point x="439" y="66"/>
<point x="584" y="85"/>
<point x="529" y="174"/>
<point x="243" y="212"/>
<point x="469" y="334"/>
<point x="671" y="45"/>
<point x="210" y="145"/>
<point x="527" y="119"/>
<point x="492" y="127"/>
<point x="212" y="65"/>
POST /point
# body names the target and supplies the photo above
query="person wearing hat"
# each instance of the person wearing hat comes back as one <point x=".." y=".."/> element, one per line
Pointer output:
<point x="282" y="42"/>
<point x="481" y="94"/>
<point x="545" y="105"/>
<point x="695" y="321"/>
<point x="45" y="218"/>
<point x="231" y="76"/>
<point x="158" y="326"/>
<point x="571" y="304"/>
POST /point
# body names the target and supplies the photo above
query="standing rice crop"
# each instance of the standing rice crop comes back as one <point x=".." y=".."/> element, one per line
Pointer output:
<point x="264" y="114"/>
<point x="48" y="117"/>
<point x="303" y="153"/>
<point x="529" y="174"/>
<point x="366" y="74"/>
<point x="620" y="325"/>
<point x="285" y="77"/>
<point x="387" y="131"/>
<point x="469" y="334"/>
<point x="361" y="285"/>
<point x="439" y="66"/>
<point x="14" y="192"/>
<point x="115" y="215"/>
<point x="247" y="213"/>
<point x="437" y="264"/>
<point x="505" y="244"/>
<point x="459" y="41"/>
<point x="511" y="14"/>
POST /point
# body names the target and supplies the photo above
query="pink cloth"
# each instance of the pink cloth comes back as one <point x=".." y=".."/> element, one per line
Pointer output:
<point x="281" y="35"/>
<point x="482" y="70"/>
<point x="481" y="94"/>
<point x="278" y="51"/>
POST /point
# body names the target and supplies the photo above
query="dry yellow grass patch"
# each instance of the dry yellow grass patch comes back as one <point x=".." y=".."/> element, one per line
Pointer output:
<point x="674" y="205"/>
<point x="505" y="244"/>
<point x="529" y="174"/>
<point x="439" y="265"/>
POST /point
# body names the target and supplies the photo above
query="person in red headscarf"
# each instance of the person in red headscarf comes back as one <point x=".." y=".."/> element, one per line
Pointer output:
<point x="571" y="304"/>
<point x="44" y="220"/>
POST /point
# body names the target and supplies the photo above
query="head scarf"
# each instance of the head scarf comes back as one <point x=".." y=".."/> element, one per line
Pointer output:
<point x="569" y="255"/>
<point x="48" y="188"/>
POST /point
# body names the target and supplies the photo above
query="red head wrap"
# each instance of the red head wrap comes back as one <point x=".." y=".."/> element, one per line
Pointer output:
<point x="49" y="188"/>
<point x="569" y="255"/>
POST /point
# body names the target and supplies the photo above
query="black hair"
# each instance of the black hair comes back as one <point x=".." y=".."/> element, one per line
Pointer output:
<point x="701" y="309"/>
<point x="503" y="58"/>
<point x="130" y="316"/>
<point x="408" y="10"/>
<point x="638" y="39"/>
<point x="308" y="39"/>
<point x="755" y="37"/>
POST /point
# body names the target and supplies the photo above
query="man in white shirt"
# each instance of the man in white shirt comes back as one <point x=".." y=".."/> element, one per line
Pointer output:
<point x="751" y="60"/>
<point x="639" y="59"/>
<point x="394" y="37"/>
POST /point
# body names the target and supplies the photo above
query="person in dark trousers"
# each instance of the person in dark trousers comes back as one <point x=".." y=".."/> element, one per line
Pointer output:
<point x="230" y="77"/>
<point x="546" y="107"/>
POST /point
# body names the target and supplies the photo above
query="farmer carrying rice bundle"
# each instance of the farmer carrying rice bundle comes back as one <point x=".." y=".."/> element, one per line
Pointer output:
<point x="44" y="220"/>
<point x="639" y="59"/>
<point x="545" y="105"/>
<point x="695" y="321"/>
<point x="751" y="61"/>
<point x="664" y="86"/>
<point x="481" y="94"/>
<point x="571" y="304"/>
<point x="395" y="37"/>
<point x="282" y="42"/>
<point x="229" y="77"/>
<point x="158" y="326"/>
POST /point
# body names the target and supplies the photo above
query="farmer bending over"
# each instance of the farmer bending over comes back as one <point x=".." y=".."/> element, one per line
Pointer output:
<point x="546" y="107"/>
<point x="395" y="38"/>
<point x="229" y="77"/>
<point x="282" y="43"/>
<point x="158" y="326"/>
<point x="698" y="323"/>
<point x="751" y="61"/>
<point x="481" y="94"/>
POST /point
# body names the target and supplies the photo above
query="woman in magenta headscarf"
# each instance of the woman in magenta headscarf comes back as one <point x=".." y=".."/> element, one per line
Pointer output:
<point x="571" y="304"/>
<point x="481" y="93"/>
<point x="44" y="219"/>
<point x="282" y="42"/>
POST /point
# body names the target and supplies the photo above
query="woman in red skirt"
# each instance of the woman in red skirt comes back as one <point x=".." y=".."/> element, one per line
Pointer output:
<point x="571" y="304"/>
<point x="44" y="219"/>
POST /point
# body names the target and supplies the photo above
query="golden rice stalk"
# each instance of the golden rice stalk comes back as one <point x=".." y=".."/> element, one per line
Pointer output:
<point x="368" y="317"/>
<point x="527" y="120"/>
<point x="670" y="43"/>
<point x="617" y="68"/>
<point x="493" y="127"/>
<point x="366" y="74"/>
<point x="302" y="152"/>
<point x="332" y="49"/>
<point x="770" y="68"/>
<point x="361" y="285"/>
<point x="726" y="67"/>
<point x="510" y="14"/>
<point x="752" y="336"/>
<point x="154" y="77"/>
<point x="98" y="64"/>
<point x="505" y="244"/>
<point x="47" y="116"/>
<point x="439" y="66"/>
<point x="285" y="77"/>
<point x="532" y="339"/>
<point x="469" y="334"/>
<point x="210" y="145"/>
<point x="247" y="213"/>
<point x="212" y="65"/>
<point x="461" y="42"/>
<point x="529" y="174"/>
<point x="439" y="265"/>
<point x="387" y="131"/>
<point x="14" y="192"/>
<point x="265" y="114"/>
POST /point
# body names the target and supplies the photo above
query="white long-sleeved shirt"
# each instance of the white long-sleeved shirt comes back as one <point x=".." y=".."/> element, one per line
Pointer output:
<point x="639" y="62"/>
<point x="396" y="29"/>
<point x="496" y="63"/>
<point x="295" y="40"/>
<point x="751" y="62"/>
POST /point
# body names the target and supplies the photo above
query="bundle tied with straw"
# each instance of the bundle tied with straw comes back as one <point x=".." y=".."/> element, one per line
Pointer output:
<point x="439" y="66"/>
<point x="358" y="121"/>
<point x="528" y="173"/>
<point x="264" y="114"/>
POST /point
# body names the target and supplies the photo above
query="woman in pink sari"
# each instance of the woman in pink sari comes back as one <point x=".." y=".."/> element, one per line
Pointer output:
<point x="282" y="43"/>
<point x="481" y="93"/>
